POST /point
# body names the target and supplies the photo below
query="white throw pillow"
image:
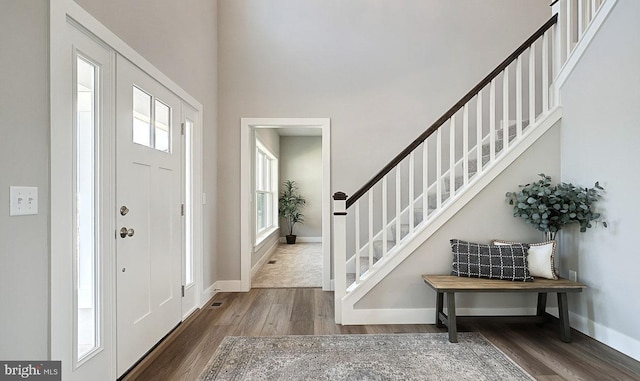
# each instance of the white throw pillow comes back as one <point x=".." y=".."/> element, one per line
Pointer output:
<point x="541" y="258"/>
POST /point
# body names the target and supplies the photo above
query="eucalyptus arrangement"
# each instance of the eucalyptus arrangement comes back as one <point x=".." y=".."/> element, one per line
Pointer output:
<point x="550" y="207"/>
<point x="290" y="203"/>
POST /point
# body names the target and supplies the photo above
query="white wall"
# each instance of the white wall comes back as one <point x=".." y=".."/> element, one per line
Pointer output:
<point x="301" y="161"/>
<point x="600" y="135"/>
<point x="488" y="216"/>
<point x="24" y="160"/>
<point x="382" y="71"/>
<point x="180" y="39"/>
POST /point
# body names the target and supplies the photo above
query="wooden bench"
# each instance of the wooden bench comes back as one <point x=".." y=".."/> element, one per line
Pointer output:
<point x="451" y="284"/>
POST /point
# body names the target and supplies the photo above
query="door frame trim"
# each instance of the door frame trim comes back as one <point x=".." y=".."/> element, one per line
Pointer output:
<point x="247" y="146"/>
<point x="62" y="12"/>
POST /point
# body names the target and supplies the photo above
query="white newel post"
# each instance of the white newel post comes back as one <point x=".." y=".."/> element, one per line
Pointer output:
<point x="339" y="251"/>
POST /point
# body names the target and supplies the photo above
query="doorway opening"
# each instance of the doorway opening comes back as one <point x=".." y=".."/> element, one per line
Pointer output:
<point x="290" y="137"/>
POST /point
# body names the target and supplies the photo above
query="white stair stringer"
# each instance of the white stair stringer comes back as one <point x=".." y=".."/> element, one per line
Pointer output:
<point x="434" y="221"/>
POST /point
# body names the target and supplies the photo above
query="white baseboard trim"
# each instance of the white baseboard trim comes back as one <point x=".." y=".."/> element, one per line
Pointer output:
<point x="304" y="239"/>
<point x="229" y="286"/>
<point x="264" y="258"/>
<point x="427" y="315"/>
<point x="207" y="294"/>
<point x="608" y="336"/>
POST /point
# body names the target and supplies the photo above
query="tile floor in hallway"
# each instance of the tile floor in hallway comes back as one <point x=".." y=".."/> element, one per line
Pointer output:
<point x="298" y="265"/>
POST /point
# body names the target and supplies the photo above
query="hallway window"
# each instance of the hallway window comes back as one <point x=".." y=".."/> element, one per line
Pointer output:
<point x="266" y="191"/>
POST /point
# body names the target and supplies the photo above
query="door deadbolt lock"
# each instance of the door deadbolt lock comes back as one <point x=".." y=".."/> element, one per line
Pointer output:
<point x="124" y="232"/>
<point x="124" y="210"/>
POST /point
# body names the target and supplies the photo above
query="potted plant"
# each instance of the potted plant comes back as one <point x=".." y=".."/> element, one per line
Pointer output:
<point x="289" y="205"/>
<point x="550" y="207"/>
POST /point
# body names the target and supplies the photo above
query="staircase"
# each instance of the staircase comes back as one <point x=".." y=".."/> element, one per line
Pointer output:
<point x="388" y="218"/>
<point x="379" y="247"/>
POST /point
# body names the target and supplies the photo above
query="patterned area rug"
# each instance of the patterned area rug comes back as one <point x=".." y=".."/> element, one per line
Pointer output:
<point x="298" y="265"/>
<point x="361" y="357"/>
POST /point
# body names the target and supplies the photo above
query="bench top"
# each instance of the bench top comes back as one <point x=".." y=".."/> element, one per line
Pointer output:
<point x="452" y="283"/>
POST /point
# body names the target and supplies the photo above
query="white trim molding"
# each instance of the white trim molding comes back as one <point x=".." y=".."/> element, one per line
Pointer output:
<point x="606" y="335"/>
<point x="228" y="286"/>
<point x="264" y="258"/>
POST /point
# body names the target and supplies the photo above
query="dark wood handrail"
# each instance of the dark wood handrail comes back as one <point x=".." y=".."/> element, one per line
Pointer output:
<point x="456" y="107"/>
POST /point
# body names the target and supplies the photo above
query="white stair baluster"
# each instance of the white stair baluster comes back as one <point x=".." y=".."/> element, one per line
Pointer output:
<point x="505" y="109"/>
<point x="492" y="121"/>
<point x="452" y="157"/>
<point x="425" y="180"/>
<point x="385" y="248"/>
<point x="532" y="84"/>
<point x="370" y="194"/>
<point x="545" y="72"/>
<point x="439" y="168"/>
<point x="398" y="206"/>
<point x="465" y="144"/>
<point x="519" y="97"/>
<point x="357" y="239"/>
<point x="568" y="28"/>
<point x="478" y="134"/>
<point x="580" y="14"/>
<point x="411" y="191"/>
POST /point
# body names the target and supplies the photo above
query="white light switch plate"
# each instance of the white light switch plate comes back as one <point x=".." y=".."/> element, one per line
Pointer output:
<point x="23" y="201"/>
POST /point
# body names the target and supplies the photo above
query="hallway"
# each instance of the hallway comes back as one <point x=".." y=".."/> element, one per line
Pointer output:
<point x="298" y="265"/>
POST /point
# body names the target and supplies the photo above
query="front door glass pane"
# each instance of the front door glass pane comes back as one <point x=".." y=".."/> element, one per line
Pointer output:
<point x="162" y="124"/>
<point x="85" y="205"/>
<point x="141" y="117"/>
<point x="188" y="248"/>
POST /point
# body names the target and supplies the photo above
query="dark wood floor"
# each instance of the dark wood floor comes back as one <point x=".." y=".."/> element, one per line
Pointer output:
<point x="268" y="312"/>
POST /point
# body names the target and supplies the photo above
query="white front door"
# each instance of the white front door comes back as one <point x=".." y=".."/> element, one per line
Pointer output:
<point x="149" y="216"/>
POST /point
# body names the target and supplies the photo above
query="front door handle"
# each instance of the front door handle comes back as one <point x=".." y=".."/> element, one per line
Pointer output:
<point x="124" y="232"/>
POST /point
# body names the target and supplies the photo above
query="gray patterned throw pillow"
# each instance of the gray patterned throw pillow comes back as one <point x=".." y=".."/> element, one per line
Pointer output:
<point x="476" y="260"/>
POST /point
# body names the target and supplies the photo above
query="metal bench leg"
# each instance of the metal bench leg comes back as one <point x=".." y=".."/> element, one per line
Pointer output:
<point x="563" y="312"/>
<point x="451" y="312"/>
<point x="542" y="303"/>
<point x="542" y="307"/>
<point x="439" y="308"/>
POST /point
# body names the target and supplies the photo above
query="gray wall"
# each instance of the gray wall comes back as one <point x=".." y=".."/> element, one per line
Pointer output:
<point x="301" y="161"/>
<point x="382" y="71"/>
<point x="180" y="39"/>
<point x="488" y="216"/>
<point x="600" y="135"/>
<point x="24" y="160"/>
